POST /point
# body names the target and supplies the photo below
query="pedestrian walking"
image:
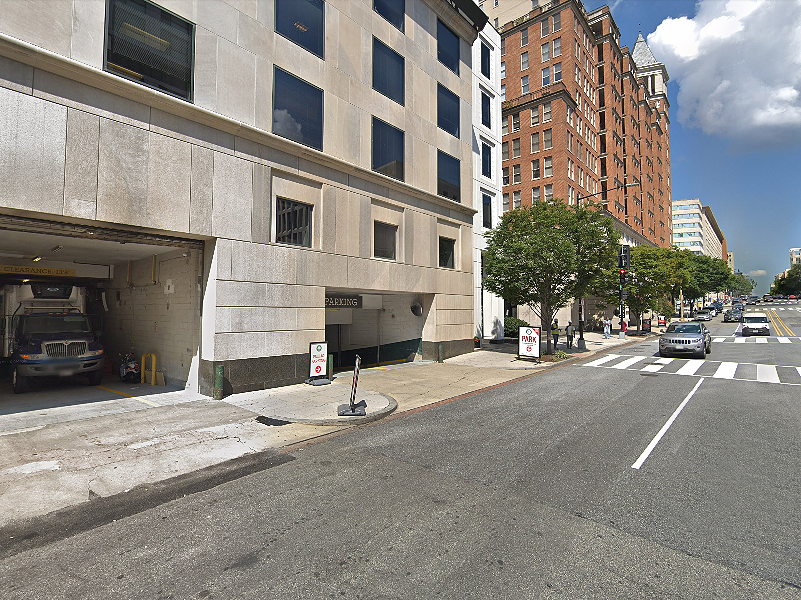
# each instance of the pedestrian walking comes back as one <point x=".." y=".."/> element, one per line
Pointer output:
<point x="607" y="327"/>
<point x="555" y="332"/>
<point x="569" y="331"/>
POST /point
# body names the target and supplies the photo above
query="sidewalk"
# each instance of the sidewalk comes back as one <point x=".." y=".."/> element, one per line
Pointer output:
<point x="67" y="456"/>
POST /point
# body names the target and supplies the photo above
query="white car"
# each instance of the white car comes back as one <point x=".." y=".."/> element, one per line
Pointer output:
<point x="755" y="322"/>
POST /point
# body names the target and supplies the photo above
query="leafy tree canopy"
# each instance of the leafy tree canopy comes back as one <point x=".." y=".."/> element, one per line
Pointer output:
<point x="544" y="255"/>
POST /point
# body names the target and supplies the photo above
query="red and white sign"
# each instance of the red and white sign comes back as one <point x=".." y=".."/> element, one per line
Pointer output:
<point x="318" y="365"/>
<point x="528" y="342"/>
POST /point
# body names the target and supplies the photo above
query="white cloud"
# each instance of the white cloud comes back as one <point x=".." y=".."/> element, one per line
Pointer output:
<point x="284" y="124"/>
<point x="738" y="67"/>
<point x="757" y="273"/>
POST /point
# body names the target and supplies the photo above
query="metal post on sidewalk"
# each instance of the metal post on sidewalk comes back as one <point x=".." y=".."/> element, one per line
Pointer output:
<point x="580" y="343"/>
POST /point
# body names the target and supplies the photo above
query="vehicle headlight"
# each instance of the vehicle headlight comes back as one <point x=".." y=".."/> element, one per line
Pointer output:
<point x="94" y="353"/>
<point x="34" y="356"/>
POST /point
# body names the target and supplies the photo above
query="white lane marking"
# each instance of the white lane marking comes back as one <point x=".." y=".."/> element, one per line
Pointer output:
<point x="799" y="371"/>
<point x="761" y="341"/>
<point x="657" y="366"/>
<point x="602" y="360"/>
<point x="739" y="340"/>
<point x="720" y="339"/>
<point x="24" y="430"/>
<point x="690" y="367"/>
<point x="628" y="362"/>
<point x="664" y="361"/>
<point x="638" y="463"/>
<point x="725" y="370"/>
<point x="783" y="340"/>
<point x="767" y="374"/>
<point x="33" y="467"/>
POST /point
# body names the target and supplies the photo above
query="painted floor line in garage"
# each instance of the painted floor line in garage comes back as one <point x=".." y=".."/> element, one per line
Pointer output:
<point x="150" y="402"/>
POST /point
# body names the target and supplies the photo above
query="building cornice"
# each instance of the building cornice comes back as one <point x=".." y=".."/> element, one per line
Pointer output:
<point x="39" y="58"/>
<point x="537" y="97"/>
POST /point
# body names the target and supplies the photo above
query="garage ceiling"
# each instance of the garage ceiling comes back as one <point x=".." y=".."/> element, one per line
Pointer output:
<point x="23" y="245"/>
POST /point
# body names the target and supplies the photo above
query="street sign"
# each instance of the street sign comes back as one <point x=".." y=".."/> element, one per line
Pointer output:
<point x="318" y="364"/>
<point x="528" y="342"/>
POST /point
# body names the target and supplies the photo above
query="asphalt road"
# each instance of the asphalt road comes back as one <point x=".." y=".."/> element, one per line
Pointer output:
<point x="528" y="490"/>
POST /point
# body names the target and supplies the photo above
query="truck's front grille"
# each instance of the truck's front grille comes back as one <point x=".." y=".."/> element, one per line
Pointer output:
<point x="65" y="349"/>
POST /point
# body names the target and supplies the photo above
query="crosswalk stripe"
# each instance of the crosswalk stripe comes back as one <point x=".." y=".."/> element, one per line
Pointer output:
<point x="784" y="340"/>
<point x="799" y="371"/>
<point x="719" y="339"/>
<point x="628" y="362"/>
<point x="690" y="368"/>
<point x="726" y="370"/>
<point x="767" y="374"/>
<point x="740" y="340"/>
<point x="603" y="359"/>
<point x="761" y="341"/>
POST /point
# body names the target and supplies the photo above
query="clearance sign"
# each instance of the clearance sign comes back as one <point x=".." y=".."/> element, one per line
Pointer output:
<point x="34" y="270"/>
<point x="528" y="342"/>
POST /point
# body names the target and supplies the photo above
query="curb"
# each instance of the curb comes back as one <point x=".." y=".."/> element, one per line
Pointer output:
<point x="378" y="414"/>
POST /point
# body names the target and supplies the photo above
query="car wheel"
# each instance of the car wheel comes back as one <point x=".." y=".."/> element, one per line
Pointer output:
<point x="709" y="348"/>
<point x="663" y="354"/>
<point x="700" y="354"/>
<point x="19" y="382"/>
<point x="95" y="377"/>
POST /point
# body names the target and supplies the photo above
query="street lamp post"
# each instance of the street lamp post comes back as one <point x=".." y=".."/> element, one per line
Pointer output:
<point x="580" y="343"/>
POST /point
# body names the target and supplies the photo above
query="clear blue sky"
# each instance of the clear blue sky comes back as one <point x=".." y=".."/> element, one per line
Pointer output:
<point x="735" y="108"/>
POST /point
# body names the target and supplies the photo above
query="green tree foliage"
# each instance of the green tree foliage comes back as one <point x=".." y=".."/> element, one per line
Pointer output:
<point x="789" y="283"/>
<point x="740" y="285"/>
<point x="543" y="255"/>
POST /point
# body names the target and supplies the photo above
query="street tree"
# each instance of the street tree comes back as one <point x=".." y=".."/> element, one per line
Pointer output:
<point x="740" y="285"/>
<point x="788" y="283"/>
<point x="540" y="256"/>
<point x="647" y="282"/>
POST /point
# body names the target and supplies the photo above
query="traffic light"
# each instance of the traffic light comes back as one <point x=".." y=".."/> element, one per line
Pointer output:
<point x="623" y="257"/>
<point x="623" y="274"/>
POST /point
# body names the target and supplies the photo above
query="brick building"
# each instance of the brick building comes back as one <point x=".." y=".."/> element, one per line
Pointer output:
<point x="583" y="117"/>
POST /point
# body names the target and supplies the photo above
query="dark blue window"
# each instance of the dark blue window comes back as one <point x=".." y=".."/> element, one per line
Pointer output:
<point x="391" y="10"/>
<point x="447" y="110"/>
<point x="486" y="160"/>
<point x="447" y="47"/>
<point x="387" y="149"/>
<point x="487" y="201"/>
<point x="297" y="109"/>
<point x="486" y="114"/>
<point x="448" y="177"/>
<point x="388" y="72"/>
<point x="302" y="21"/>
<point x="485" y="60"/>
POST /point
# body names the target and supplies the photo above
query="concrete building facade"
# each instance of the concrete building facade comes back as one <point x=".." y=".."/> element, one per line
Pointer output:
<point x="486" y="173"/>
<point x="254" y="176"/>
<point x="696" y="229"/>
<point x="795" y="256"/>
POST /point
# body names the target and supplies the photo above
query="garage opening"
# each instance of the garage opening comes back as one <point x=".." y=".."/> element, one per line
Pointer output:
<point x="380" y="328"/>
<point x="139" y="292"/>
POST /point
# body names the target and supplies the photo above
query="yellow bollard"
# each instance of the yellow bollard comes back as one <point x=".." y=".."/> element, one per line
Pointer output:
<point x="152" y="368"/>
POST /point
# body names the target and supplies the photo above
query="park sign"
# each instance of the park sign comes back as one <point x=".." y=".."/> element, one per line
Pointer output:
<point x="528" y="342"/>
<point x="318" y="365"/>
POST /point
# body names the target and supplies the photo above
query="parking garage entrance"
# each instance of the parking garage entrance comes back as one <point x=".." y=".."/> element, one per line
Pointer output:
<point x="141" y="292"/>
<point x="380" y="328"/>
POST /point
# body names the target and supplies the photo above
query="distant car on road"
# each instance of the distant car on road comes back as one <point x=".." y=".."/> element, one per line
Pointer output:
<point x="686" y="338"/>
<point x="738" y="306"/>
<point x="732" y="315"/>
<point x="755" y="322"/>
<point x="792" y="296"/>
<point x="702" y="315"/>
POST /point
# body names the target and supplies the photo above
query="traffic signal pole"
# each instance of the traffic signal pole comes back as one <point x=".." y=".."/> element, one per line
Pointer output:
<point x="623" y="263"/>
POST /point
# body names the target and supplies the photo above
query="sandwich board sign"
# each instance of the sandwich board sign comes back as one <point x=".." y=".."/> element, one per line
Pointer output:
<point x="528" y="342"/>
<point x="318" y="365"/>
